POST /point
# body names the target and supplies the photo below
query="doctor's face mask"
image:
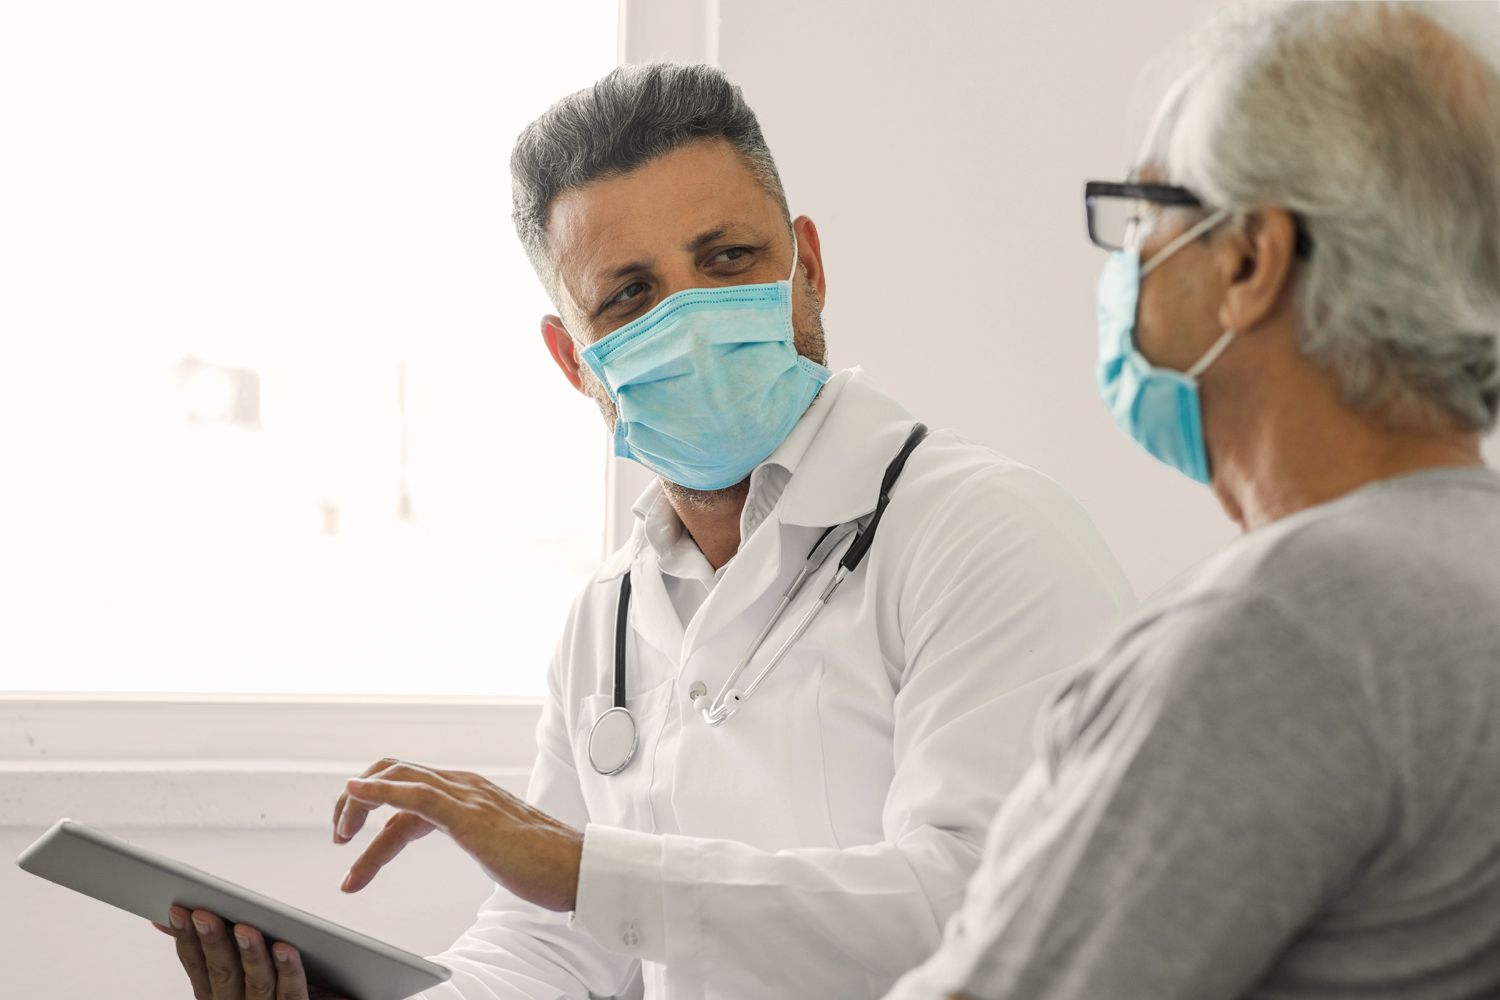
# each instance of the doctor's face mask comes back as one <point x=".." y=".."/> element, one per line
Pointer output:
<point x="1159" y="408"/>
<point x="708" y="383"/>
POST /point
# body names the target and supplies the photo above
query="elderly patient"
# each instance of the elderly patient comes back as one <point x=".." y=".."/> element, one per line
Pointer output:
<point x="1283" y="777"/>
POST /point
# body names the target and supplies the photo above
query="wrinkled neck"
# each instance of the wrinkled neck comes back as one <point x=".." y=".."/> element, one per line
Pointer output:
<point x="1308" y="448"/>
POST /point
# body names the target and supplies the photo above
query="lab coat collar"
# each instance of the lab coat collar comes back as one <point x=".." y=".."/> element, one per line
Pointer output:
<point x="620" y="560"/>
<point x="839" y="472"/>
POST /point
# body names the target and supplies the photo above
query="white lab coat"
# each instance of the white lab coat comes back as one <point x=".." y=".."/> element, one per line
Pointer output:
<point x="814" y="845"/>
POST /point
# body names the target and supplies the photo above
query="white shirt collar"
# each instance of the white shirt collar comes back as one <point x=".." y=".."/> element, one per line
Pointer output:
<point x="840" y="447"/>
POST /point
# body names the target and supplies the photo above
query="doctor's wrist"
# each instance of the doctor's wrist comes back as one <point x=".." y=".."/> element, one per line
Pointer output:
<point x="557" y="887"/>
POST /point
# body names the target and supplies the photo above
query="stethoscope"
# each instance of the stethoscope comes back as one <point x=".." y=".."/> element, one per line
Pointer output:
<point x="613" y="738"/>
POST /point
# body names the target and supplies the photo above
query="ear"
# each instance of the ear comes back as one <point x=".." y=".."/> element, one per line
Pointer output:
<point x="1260" y="264"/>
<point x="564" y="352"/>
<point x="810" y="255"/>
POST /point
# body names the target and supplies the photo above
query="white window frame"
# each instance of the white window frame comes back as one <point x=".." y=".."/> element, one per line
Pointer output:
<point x="246" y="762"/>
<point x="145" y="761"/>
<point x="150" y="761"/>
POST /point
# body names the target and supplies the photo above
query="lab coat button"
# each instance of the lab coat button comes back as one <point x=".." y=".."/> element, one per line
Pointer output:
<point x="630" y="938"/>
<point x="698" y="690"/>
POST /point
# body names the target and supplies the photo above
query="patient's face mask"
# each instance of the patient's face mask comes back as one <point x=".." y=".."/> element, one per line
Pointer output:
<point x="708" y="383"/>
<point x="1157" y="407"/>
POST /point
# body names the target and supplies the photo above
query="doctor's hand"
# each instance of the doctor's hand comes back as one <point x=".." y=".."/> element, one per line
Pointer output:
<point x="527" y="851"/>
<point x="225" y="964"/>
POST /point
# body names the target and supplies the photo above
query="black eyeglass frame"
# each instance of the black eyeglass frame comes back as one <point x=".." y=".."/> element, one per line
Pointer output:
<point x="1163" y="194"/>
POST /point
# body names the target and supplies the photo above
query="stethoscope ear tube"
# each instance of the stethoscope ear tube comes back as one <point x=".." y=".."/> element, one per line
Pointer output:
<point x="862" y="541"/>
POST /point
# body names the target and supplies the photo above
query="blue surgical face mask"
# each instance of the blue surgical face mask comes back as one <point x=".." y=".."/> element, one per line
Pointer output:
<point x="1157" y="407"/>
<point x="708" y="383"/>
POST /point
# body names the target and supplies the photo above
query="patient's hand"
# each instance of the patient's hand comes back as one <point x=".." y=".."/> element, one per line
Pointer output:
<point x="225" y="965"/>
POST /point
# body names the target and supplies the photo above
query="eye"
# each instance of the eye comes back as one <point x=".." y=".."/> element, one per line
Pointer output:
<point x="733" y="255"/>
<point x="631" y="291"/>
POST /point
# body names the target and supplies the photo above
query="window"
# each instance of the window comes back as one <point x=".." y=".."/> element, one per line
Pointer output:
<point x="274" y="412"/>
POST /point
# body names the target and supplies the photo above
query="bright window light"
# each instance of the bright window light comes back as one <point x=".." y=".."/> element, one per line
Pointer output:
<point x="275" y="415"/>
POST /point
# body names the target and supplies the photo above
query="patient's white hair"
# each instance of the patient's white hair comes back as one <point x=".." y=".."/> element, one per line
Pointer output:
<point x="1379" y="127"/>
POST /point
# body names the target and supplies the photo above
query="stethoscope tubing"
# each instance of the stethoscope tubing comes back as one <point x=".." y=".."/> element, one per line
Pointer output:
<point x="726" y="703"/>
<point x="719" y="710"/>
<point x="622" y="620"/>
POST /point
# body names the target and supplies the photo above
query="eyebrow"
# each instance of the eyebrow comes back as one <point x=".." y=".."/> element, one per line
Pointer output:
<point x="719" y="231"/>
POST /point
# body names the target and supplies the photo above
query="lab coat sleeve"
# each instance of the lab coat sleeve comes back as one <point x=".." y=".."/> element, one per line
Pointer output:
<point x="515" y="949"/>
<point x="990" y="591"/>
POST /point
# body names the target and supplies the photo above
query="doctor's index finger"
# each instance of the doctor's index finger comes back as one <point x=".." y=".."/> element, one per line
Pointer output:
<point x="355" y="805"/>
<point x="402" y="829"/>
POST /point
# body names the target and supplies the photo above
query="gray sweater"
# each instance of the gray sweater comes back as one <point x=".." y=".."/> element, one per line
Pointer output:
<point x="1281" y="780"/>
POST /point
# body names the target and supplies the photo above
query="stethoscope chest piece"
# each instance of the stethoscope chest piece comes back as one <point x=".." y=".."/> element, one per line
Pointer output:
<point x="612" y="741"/>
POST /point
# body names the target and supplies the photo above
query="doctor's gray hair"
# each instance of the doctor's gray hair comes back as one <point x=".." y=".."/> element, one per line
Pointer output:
<point x="1379" y="128"/>
<point x="629" y="118"/>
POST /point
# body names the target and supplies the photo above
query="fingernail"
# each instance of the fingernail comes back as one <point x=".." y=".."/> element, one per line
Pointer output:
<point x="202" y="926"/>
<point x="175" y="919"/>
<point x="343" y="831"/>
<point x="282" y="956"/>
<point x="344" y="885"/>
<point x="242" y="941"/>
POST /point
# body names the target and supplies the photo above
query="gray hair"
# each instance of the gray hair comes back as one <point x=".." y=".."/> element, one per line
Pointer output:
<point x="1380" y="130"/>
<point x="627" y="119"/>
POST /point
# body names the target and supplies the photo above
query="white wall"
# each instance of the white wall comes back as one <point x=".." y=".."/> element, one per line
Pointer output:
<point x="942" y="149"/>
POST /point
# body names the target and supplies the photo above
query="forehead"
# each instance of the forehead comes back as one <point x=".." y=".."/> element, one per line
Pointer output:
<point x="642" y="213"/>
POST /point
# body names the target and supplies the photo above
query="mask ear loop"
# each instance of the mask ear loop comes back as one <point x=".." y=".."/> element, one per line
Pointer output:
<point x="1193" y="232"/>
<point x="1220" y="346"/>
<point x="579" y="349"/>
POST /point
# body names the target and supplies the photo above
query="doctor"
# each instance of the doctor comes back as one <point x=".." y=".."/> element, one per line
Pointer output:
<point x="731" y="797"/>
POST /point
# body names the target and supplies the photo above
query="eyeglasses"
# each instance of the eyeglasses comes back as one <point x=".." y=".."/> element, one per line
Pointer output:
<point x="1116" y="211"/>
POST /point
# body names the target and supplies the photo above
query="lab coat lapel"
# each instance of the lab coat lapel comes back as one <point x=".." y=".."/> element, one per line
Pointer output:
<point x="751" y="573"/>
<point x="653" y="617"/>
<point x="835" y="480"/>
<point x="652" y="613"/>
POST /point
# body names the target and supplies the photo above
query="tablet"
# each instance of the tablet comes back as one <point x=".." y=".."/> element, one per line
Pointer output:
<point x="147" y="884"/>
